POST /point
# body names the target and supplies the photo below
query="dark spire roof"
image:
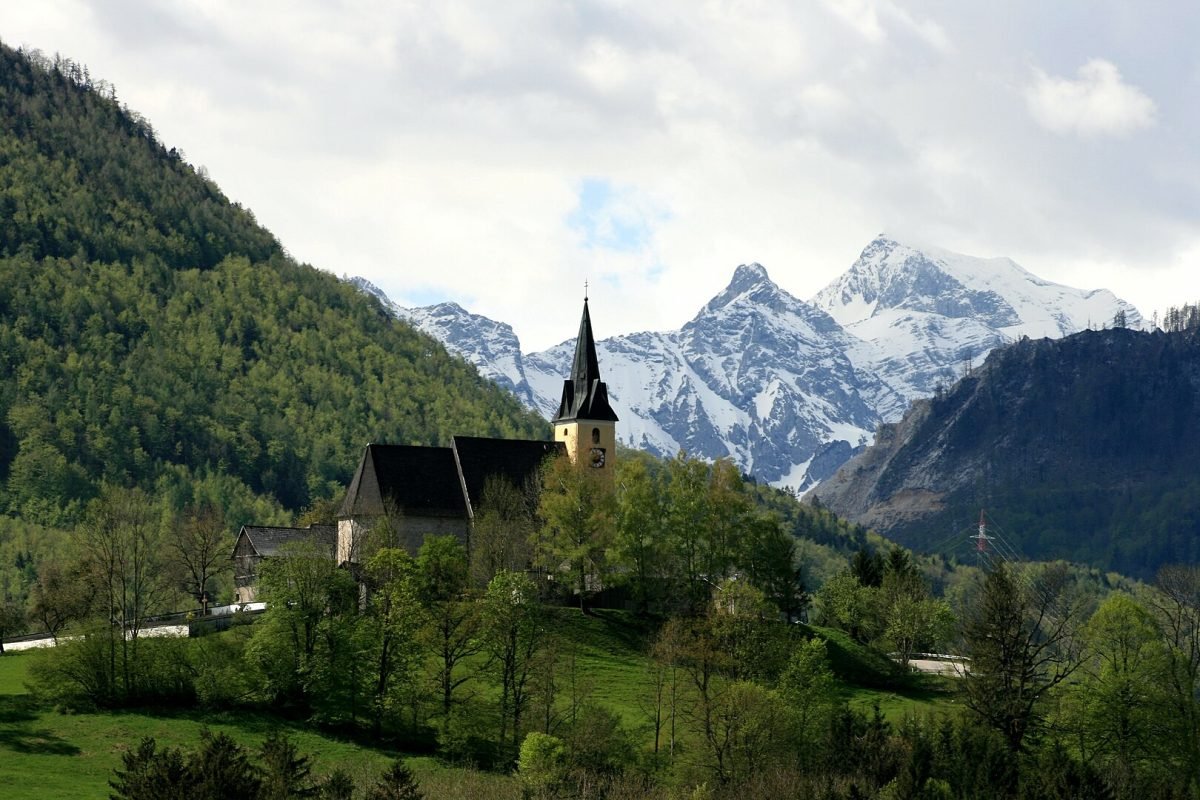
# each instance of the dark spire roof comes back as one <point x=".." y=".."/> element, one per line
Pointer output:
<point x="585" y="396"/>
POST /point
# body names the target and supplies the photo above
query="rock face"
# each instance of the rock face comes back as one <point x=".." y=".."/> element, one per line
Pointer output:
<point x="1082" y="447"/>
<point x="790" y="389"/>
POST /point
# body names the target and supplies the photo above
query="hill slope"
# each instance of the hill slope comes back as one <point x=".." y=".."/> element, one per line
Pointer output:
<point x="1082" y="448"/>
<point x="151" y="331"/>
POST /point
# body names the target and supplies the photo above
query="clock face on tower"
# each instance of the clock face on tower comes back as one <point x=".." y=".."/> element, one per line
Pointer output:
<point x="597" y="454"/>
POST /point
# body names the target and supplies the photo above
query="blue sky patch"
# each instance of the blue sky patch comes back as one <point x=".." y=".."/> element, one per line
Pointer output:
<point x="613" y="217"/>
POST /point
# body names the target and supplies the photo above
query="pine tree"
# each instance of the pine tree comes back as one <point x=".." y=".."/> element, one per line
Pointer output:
<point x="150" y="774"/>
<point x="285" y="771"/>
<point x="220" y="770"/>
<point x="397" y="783"/>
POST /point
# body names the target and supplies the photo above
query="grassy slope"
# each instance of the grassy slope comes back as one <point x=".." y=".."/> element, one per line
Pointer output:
<point x="44" y="754"/>
<point x="869" y="678"/>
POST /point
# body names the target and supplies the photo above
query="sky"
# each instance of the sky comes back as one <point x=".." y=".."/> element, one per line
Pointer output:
<point x="499" y="155"/>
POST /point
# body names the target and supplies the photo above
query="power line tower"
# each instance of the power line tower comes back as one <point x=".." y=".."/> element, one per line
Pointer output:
<point x="981" y="541"/>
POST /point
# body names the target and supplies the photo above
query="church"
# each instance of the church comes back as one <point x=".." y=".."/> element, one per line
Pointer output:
<point x="437" y="491"/>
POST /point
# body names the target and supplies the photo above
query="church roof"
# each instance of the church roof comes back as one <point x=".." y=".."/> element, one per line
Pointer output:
<point x="514" y="460"/>
<point x="585" y="396"/>
<point x="407" y="479"/>
<point x="267" y="539"/>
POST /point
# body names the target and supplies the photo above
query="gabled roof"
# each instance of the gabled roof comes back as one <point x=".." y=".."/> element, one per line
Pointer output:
<point x="406" y="479"/>
<point x="266" y="540"/>
<point x="515" y="460"/>
<point x="585" y="396"/>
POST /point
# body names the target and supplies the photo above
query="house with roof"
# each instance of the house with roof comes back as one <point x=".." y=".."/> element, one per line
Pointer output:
<point x="437" y="491"/>
<point x="256" y="542"/>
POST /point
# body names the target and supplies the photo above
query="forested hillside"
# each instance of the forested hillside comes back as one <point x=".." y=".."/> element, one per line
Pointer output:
<point x="1081" y="448"/>
<point x="152" y="332"/>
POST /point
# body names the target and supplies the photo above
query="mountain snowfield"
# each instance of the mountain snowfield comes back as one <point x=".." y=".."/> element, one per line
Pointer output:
<point x="791" y="389"/>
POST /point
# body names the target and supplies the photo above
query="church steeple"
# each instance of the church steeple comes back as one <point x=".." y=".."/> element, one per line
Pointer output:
<point x="585" y="396"/>
<point x="586" y="423"/>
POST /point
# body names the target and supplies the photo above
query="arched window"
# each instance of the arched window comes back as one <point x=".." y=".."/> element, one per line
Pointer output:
<point x="595" y="436"/>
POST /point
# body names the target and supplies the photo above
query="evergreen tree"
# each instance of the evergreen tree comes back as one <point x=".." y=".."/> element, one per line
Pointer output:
<point x="147" y="773"/>
<point x="285" y="773"/>
<point x="220" y="769"/>
<point x="397" y="783"/>
<point x="337" y="786"/>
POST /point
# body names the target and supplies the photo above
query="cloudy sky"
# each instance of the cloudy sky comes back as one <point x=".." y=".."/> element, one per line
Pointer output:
<point x="500" y="154"/>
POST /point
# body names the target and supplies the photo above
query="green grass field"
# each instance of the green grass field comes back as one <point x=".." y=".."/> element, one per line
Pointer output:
<point x="46" y="754"/>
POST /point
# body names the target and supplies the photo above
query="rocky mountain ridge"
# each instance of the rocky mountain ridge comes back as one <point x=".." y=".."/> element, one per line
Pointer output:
<point x="786" y="388"/>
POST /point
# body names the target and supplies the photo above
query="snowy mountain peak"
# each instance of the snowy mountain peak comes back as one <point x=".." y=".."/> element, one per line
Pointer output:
<point x="750" y="286"/>
<point x="750" y="274"/>
<point x="368" y="288"/>
<point x="449" y="307"/>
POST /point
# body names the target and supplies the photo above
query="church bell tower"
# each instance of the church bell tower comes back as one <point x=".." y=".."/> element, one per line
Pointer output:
<point x="586" y="423"/>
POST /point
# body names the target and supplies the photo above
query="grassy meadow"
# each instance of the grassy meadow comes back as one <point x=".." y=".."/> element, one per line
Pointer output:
<point x="48" y="754"/>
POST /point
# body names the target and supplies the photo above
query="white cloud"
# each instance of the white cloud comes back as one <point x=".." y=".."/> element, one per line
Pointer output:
<point x="864" y="17"/>
<point x="440" y="149"/>
<point x="1097" y="103"/>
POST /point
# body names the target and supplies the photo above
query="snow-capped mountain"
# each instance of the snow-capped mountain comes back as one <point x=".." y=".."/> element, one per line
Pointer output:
<point x="757" y="375"/>
<point x="923" y="315"/>
<point x="788" y="389"/>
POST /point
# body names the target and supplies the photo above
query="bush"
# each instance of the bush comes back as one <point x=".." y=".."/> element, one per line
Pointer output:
<point x="542" y="764"/>
<point x="597" y="744"/>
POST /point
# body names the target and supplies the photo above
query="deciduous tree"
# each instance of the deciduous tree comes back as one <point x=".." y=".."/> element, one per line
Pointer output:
<point x="502" y="532"/>
<point x="199" y="545"/>
<point x="59" y="596"/>
<point x="576" y="508"/>
<point x="639" y="544"/>
<point x="1175" y="603"/>
<point x="452" y="626"/>
<point x="394" y="621"/>
<point x="514" y="632"/>
<point x="121" y="545"/>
